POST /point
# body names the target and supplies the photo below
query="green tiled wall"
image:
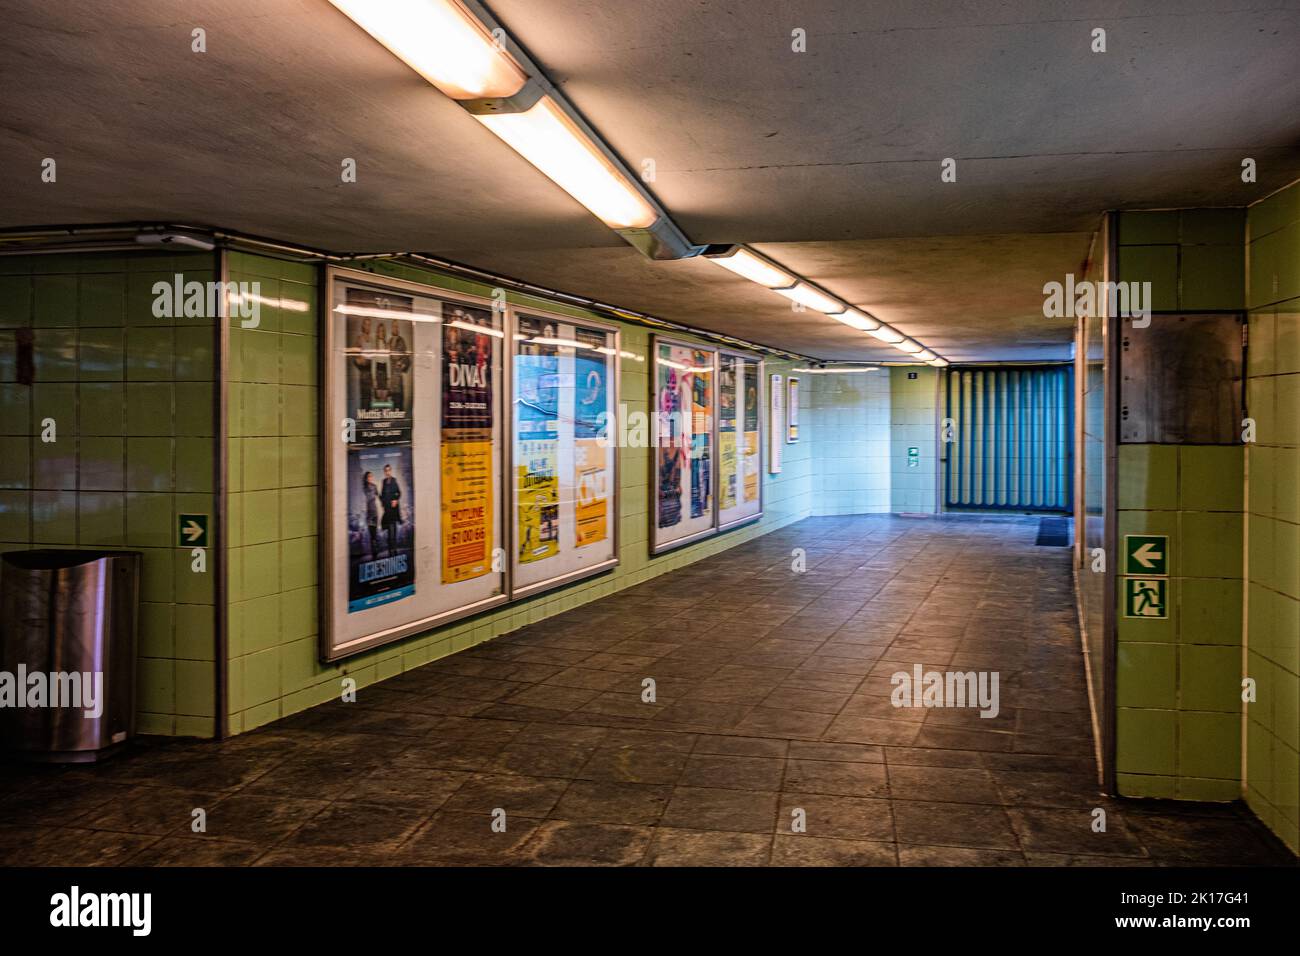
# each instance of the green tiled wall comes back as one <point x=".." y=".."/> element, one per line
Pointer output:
<point x="274" y="668"/>
<point x="132" y="396"/>
<point x="1178" y="680"/>
<point x="1273" y="515"/>
<point x="1192" y="257"/>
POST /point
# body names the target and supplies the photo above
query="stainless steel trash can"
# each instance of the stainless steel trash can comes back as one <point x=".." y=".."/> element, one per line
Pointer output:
<point x="67" y="652"/>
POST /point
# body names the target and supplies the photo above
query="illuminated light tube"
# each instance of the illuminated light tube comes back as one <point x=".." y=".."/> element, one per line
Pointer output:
<point x="925" y="355"/>
<point x="442" y="42"/>
<point x="886" y="334"/>
<point x="566" y="343"/>
<point x="373" y="313"/>
<point x="907" y="345"/>
<point x="856" y="320"/>
<point x="805" y="294"/>
<point x="836" y="371"/>
<point x="458" y="324"/>
<point x="937" y="362"/>
<point x="749" y="266"/>
<point x="548" y="139"/>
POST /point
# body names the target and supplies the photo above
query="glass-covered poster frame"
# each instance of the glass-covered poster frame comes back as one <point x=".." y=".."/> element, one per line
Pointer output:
<point x="563" y="484"/>
<point x="683" y="440"/>
<point x="413" y="459"/>
<point x="740" y="424"/>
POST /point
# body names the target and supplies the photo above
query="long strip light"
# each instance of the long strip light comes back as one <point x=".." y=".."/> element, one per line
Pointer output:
<point x="455" y="51"/>
<point x="750" y="265"/>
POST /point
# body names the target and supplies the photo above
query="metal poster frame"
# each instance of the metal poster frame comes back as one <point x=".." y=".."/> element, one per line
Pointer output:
<point x="792" y="404"/>
<point x="762" y="428"/>
<point x="509" y="494"/>
<point x="329" y="649"/>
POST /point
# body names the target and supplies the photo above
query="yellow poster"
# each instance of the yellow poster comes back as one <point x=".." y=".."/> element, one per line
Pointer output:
<point x="466" y="510"/>
<point x="727" y="467"/>
<point x="751" y="466"/>
<point x="591" y="491"/>
<point x="539" y="500"/>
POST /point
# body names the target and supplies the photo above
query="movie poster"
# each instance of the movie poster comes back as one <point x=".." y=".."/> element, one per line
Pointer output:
<point x="381" y="526"/>
<point x="750" y="372"/>
<point x="673" y="390"/>
<point x="466" y="453"/>
<point x="727" y="471"/>
<point x="701" y="432"/>
<point x="590" y="424"/>
<point x="537" y="444"/>
<point x="379" y="366"/>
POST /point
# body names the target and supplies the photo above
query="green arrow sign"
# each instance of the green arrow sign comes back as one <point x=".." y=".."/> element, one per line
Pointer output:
<point x="192" y="531"/>
<point x="1146" y="554"/>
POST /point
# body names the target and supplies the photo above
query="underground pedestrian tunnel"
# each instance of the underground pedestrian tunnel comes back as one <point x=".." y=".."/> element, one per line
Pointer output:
<point x="649" y="434"/>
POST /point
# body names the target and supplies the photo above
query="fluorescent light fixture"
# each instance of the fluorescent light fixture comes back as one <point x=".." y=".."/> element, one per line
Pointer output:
<point x="924" y="355"/>
<point x="886" y="334"/>
<point x="856" y="320"/>
<point x="937" y="362"/>
<point x="442" y="42"/>
<point x="754" y="268"/>
<point x="907" y="345"/>
<point x="548" y="139"/>
<point x="805" y="294"/>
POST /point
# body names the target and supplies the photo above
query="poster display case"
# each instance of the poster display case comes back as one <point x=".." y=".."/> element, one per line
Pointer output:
<point x="683" y="453"/>
<point x="563" y="463"/>
<point x="412" y="445"/>
<point x="739" y="439"/>
<point x="791" y="410"/>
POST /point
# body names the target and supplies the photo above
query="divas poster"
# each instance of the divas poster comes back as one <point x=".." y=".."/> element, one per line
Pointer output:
<point x="466" y="444"/>
<point x="379" y="366"/>
<point x="590" y="421"/>
<point x="537" y="424"/>
<point x="381" y="526"/>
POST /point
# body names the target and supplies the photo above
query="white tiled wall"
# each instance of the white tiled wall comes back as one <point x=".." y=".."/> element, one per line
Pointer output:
<point x="913" y="424"/>
<point x="849" y="417"/>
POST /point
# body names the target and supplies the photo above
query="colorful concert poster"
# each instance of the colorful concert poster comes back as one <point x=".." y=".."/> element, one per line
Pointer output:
<point x="380" y="380"/>
<point x="537" y="444"/>
<point x="590" y="424"/>
<point x="701" y="382"/>
<point x="672" y="388"/>
<point x="750" y="373"/>
<point x="466" y="454"/>
<point x="381" y="526"/>
<point x="727" y="480"/>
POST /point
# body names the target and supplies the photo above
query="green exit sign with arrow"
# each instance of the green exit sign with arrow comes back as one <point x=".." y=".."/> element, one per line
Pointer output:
<point x="1146" y="554"/>
<point x="192" y="531"/>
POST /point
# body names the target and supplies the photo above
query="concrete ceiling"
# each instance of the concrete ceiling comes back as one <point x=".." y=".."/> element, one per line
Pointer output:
<point x="827" y="160"/>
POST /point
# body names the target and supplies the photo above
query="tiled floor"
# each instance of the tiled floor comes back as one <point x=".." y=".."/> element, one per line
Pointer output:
<point x="772" y="704"/>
